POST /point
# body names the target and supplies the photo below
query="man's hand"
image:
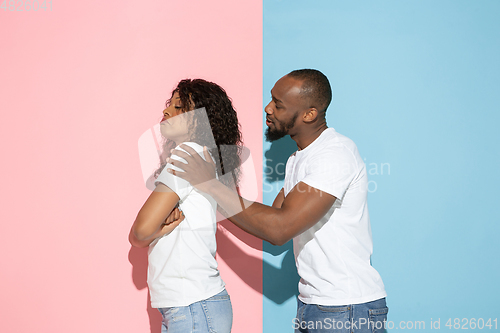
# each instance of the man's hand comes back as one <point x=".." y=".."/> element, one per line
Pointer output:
<point x="196" y="171"/>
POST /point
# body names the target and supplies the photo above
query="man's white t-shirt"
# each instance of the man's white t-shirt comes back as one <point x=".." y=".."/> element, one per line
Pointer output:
<point x="181" y="265"/>
<point x="333" y="256"/>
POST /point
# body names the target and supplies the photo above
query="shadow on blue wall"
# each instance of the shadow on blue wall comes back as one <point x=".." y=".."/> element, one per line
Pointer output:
<point x="279" y="283"/>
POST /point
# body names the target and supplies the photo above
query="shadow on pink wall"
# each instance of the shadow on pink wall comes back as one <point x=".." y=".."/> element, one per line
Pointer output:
<point x="139" y="260"/>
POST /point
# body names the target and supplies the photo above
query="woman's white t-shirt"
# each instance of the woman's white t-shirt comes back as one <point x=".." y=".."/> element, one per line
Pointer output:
<point x="181" y="265"/>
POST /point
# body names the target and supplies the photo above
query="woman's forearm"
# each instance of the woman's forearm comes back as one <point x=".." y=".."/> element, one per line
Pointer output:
<point x="150" y="221"/>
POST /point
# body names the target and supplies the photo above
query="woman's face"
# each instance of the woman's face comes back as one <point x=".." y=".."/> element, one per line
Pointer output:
<point x="174" y="124"/>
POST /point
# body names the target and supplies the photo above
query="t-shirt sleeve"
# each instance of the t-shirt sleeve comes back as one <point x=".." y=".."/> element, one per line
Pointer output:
<point x="180" y="186"/>
<point x="332" y="171"/>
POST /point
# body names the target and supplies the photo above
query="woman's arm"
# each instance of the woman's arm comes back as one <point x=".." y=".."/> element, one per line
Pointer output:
<point x="155" y="219"/>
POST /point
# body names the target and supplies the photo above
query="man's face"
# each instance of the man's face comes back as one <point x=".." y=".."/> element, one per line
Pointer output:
<point x="283" y="110"/>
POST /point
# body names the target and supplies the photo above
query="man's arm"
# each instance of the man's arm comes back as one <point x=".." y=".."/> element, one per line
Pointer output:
<point x="303" y="207"/>
<point x="278" y="201"/>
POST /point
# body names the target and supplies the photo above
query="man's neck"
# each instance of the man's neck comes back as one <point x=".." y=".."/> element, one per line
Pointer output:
<point x="305" y="139"/>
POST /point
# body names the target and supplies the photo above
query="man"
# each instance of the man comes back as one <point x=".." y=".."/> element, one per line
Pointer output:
<point x="322" y="207"/>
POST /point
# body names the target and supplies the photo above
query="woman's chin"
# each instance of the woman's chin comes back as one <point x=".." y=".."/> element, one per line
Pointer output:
<point x="165" y="135"/>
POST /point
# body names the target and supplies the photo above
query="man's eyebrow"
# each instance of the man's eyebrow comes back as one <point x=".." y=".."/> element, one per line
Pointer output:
<point x="275" y="99"/>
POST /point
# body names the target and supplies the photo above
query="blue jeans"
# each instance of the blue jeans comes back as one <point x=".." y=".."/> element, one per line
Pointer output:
<point x="370" y="317"/>
<point x="213" y="315"/>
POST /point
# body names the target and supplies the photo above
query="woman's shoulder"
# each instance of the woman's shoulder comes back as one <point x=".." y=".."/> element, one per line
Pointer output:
<point x="196" y="146"/>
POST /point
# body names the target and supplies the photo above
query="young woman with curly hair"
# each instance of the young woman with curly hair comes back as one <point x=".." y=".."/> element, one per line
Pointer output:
<point x="183" y="278"/>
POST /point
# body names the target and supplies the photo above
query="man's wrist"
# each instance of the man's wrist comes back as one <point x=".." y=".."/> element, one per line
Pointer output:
<point x="208" y="186"/>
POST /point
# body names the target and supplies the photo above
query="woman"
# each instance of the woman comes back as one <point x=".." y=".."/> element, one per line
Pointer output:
<point x="183" y="278"/>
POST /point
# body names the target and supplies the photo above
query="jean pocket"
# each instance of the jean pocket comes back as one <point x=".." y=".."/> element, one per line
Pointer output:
<point x="332" y="308"/>
<point x="173" y="314"/>
<point x="218" y="313"/>
<point x="378" y="319"/>
<point x="325" y="318"/>
<point x="222" y="296"/>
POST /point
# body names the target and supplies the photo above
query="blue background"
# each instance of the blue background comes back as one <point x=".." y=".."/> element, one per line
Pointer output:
<point x="416" y="84"/>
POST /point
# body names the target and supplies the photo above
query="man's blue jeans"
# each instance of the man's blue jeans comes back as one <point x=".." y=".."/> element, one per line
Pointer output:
<point x="370" y="317"/>
<point x="215" y="314"/>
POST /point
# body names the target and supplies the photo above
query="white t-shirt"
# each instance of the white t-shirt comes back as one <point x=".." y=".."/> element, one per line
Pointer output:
<point x="333" y="256"/>
<point x="181" y="265"/>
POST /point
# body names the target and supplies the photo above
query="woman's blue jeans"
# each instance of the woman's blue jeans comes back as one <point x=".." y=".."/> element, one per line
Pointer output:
<point x="213" y="315"/>
<point x="370" y="317"/>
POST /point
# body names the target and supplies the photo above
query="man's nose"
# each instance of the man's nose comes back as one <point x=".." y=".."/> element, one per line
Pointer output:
<point x="268" y="109"/>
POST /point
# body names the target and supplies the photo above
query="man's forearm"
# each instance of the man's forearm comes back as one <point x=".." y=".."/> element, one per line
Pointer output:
<point x="290" y="216"/>
<point x="255" y="218"/>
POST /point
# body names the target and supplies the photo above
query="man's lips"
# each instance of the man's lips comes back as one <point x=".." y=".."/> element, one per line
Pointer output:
<point x="268" y="122"/>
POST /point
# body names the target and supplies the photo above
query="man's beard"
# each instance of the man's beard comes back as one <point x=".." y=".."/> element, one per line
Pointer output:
<point x="278" y="133"/>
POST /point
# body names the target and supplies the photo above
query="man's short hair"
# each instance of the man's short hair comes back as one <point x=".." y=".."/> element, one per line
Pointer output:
<point x="315" y="88"/>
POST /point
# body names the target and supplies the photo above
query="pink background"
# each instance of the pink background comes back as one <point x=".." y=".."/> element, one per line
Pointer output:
<point x="79" y="85"/>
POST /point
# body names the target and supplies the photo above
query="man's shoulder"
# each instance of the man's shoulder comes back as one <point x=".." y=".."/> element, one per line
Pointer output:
<point x="334" y="138"/>
<point x="335" y="143"/>
<point x="333" y="150"/>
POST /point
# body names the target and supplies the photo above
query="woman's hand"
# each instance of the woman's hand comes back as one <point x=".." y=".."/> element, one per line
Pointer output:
<point x="172" y="221"/>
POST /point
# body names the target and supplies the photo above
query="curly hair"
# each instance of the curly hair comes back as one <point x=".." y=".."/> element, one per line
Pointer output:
<point x="225" y="128"/>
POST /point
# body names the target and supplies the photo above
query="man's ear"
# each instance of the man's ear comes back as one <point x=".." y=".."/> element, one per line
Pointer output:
<point x="311" y="115"/>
